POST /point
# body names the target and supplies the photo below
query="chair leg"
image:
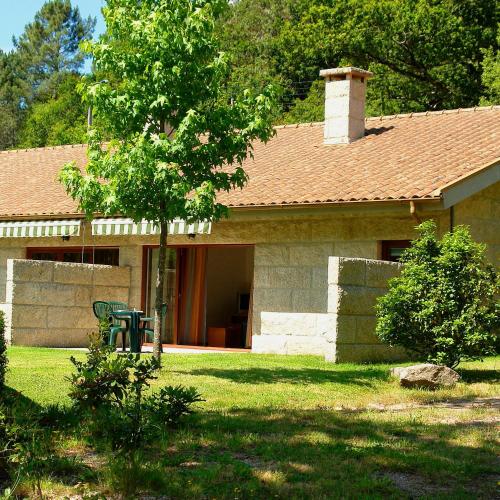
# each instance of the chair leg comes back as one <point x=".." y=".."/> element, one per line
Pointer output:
<point x="123" y="341"/>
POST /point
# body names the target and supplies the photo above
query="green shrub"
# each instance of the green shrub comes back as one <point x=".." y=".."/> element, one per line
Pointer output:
<point x="167" y="406"/>
<point x="102" y="379"/>
<point x="443" y="305"/>
<point x="3" y="351"/>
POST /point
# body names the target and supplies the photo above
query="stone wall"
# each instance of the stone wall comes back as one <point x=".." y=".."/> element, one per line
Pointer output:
<point x="353" y="288"/>
<point x="50" y="303"/>
<point x="344" y="330"/>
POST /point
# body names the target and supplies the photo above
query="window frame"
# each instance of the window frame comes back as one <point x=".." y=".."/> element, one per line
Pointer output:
<point x="387" y="245"/>
<point x="60" y="251"/>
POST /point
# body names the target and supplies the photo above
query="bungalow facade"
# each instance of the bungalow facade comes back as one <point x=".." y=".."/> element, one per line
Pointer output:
<point x="306" y="249"/>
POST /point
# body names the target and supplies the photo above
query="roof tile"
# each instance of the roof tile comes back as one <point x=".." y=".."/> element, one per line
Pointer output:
<point x="401" y="157"/>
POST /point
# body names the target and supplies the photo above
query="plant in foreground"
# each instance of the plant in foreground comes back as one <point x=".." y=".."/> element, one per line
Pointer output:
<point x="3" y="352"/>
<point x="444" y="304"/>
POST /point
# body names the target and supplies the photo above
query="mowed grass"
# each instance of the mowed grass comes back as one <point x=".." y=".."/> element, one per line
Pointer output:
<point x="296" y="427"/>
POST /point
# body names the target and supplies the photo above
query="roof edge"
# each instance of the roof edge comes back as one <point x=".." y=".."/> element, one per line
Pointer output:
<point x="469" y="184"/>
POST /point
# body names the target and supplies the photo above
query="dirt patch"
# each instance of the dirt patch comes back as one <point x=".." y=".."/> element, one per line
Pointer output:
<point x="254" y="462"/>
<point x="414" y="485"/>
<point x="453" y="404"/>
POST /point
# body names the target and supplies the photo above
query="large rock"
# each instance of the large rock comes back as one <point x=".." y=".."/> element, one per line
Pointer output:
<point x="426" y="375"/>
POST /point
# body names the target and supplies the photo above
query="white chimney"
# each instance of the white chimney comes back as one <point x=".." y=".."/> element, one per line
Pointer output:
<point x="345" y="94"/>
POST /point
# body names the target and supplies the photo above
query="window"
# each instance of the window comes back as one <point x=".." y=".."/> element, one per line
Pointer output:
<point x="392" y="249"/>
<point x="107" y="256"/>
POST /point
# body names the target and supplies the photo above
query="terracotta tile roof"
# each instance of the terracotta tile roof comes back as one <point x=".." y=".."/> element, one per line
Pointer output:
<point x="401" y="157"/>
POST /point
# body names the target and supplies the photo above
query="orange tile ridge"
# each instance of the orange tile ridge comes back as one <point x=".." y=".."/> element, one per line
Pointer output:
<point x="44" y="148"/>
<point x="402" y="115"/>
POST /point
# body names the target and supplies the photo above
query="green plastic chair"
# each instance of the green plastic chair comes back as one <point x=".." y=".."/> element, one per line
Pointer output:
<point x="147" y="331"/>
<point x="116" y="324"/>
<point x="102" y="313"/>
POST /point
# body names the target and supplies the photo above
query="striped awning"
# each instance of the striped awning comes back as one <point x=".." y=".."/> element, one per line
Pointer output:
<point x="122" y="227"/>
<point x="39" y="228"/>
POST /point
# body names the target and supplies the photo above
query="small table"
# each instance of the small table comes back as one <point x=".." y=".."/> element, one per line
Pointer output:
<point x="134" y="318"/>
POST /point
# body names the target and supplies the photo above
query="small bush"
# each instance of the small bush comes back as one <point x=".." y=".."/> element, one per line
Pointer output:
<point x="102" y="378"/>
<point x="170" y="404"/>
<point x="443" y="305"/>
<point x="3" y="351"/>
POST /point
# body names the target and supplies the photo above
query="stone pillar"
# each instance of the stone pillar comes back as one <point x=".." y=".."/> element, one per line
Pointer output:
<point x="353" y="288"/>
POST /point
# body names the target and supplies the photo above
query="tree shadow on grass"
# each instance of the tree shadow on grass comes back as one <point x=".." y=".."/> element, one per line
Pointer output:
<point x="471" y="376"/>
<point x="27" y="421"/>
<point x="363" y="377"/>
<point x="327" y="454"/>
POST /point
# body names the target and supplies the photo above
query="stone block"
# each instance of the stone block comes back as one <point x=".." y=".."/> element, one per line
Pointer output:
<point x="75" y="274"/>
<point x="83" y="296"/>
<point x="272" y="255"/>
<point x="333" y="299"/>
<point x="362" y="353"/>
<point x="31" y="270"/>
<point x="320" y="278"/>
<point x="71" y="317"/>
<point x="356" y="248"/>
<point x="378" y="272"/>
<point x="52" y="337"/>
<point x="261" y="277"/>
<point x="276" y="323"/>
<point x="298" y="344"/>
<point x="43" y="294"/>
<point x="327" y="327"/>
<point x="314" y="254"/>
<point x="353" y="300"/>
<point x="112" y="293"/>
<point x="290" y="277"/>
<point x="309" y="301"/>
<point x="131" y="256"/>
<point x="112" y="276"/>
<point x="269" y="344"/>
<point x="272" y="300"/>
<point x="346" y="271"/>
<point x="346" y="328"/>
<point x="365" y="330"/>
<point x="28" y="316"/>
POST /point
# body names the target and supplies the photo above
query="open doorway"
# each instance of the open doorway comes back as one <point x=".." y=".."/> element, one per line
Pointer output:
<point x="208" y="290"/>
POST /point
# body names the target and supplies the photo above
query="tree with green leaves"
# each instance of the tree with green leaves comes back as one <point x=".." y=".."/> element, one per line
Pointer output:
<point x="61" y="119"/>
<point x="49" y="46"/>
<point x="444" y="305"/>
<point x="177" y="141"/>
<point x="14" y="96"/>
<point x="425" y="54"/>
<point x="491" y="75"/>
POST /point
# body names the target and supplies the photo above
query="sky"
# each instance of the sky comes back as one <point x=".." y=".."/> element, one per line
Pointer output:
<point x="15" y="14"/>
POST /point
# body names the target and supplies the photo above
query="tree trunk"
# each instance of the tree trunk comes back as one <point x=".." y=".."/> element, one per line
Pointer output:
<point x="160" y="291"/>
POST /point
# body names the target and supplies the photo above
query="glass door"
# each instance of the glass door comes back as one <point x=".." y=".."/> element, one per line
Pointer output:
<point x="170" y="289"/>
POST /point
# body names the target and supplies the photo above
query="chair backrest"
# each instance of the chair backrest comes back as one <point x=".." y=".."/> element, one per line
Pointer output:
<point x="101" y="309"/>
<point x="117" y="306"/>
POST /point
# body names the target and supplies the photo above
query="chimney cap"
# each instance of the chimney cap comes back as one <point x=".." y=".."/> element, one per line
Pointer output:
<point x="335" y="73"/>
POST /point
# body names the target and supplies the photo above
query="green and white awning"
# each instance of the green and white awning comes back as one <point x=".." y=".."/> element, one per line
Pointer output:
<point x="39" y="228"/>
<point x="123" y="227"/>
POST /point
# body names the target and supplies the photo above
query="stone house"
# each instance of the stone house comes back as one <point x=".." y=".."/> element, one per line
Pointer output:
<point x="298" y="264"/>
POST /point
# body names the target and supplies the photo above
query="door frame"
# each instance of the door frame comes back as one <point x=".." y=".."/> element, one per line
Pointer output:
<point x="177" y="247"/>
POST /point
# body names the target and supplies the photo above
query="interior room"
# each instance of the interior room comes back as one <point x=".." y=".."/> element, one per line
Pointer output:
<point x="208" y="294"/>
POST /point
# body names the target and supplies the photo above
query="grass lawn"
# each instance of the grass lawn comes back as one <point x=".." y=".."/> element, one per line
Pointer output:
<point x="293" y="427"/>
